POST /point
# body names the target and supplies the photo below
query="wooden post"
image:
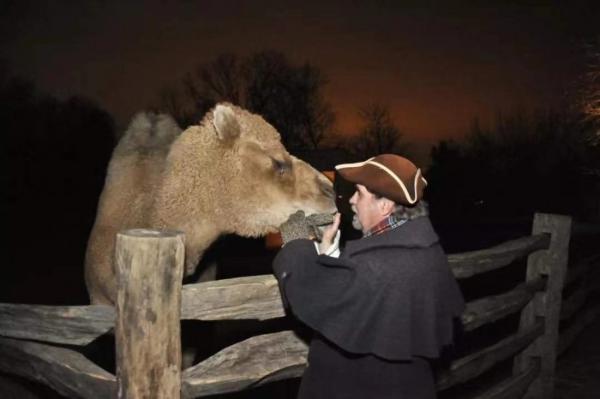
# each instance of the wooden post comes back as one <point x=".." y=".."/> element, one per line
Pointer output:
<point x="551" y="263"/>
<point x="147" y="332"/>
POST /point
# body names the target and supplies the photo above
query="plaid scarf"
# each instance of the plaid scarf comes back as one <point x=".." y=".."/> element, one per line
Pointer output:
<point x="389" y="223"/>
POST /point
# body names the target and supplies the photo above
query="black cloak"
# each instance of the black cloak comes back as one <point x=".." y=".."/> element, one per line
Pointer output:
<point x="390" y="295"/>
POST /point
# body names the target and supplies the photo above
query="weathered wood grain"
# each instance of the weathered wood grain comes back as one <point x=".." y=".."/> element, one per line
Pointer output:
<point x="477" y="363"/>
<point x="149" y="267"/>
<point x="586" y="317"/>
<point x="468" y="264"/>
<point x="255" y="297"/>
<point x="516" y="386"/>
<point x="495" y="307"/>
<point x="551" y="263"/>
<point x="66" y="371"/>
<point x="247" y="364"/>
<point x="73" y="325"/>
<point x="576" y="307"/>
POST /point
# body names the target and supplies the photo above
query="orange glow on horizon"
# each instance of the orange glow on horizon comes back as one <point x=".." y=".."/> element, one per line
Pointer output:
<point x="273" y="241"/>
<point x="330" y="174"/>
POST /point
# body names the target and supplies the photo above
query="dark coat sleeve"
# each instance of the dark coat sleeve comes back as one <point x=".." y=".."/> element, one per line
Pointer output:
<point x="315" y="287"/>
<point x="394" y="316"/>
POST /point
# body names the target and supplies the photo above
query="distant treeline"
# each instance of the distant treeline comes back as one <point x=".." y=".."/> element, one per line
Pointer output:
<point x="544" y="162"/>
<point x="56" y="153"/>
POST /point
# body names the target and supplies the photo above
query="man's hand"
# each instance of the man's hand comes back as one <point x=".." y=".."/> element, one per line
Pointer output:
<point x="330" y="234"/>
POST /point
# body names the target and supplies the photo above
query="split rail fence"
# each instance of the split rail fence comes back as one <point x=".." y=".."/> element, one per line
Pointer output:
<point x="40" y="342"/>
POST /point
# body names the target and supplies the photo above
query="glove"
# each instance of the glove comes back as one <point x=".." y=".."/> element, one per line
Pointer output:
<point x="299" y="226"/>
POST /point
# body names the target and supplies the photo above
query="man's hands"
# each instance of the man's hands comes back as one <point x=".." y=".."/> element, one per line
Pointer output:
<point x="300" y="226"/>
<point x="330" y="235"/>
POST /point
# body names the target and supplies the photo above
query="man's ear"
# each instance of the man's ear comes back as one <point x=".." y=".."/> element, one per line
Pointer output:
<point x="386" y="206"/>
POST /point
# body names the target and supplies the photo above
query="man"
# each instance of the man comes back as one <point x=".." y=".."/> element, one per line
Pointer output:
<point x="383" y="307"/>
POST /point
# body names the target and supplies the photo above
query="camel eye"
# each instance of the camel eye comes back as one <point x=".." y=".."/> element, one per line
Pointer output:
<point x="281" y="167"/>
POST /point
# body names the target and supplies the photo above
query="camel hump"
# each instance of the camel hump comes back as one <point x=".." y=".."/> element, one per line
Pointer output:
<point x="149" y="132"/>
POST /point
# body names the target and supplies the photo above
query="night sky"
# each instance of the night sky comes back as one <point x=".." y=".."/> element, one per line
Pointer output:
<point x="437" y="67"/>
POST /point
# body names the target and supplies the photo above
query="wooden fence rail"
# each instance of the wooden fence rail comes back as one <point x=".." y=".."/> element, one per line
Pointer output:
<point x="581" y="306"/>
<point x="281" y="355"/>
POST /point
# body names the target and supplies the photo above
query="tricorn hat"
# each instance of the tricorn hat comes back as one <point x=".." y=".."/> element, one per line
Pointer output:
<point x="389" y="175"/>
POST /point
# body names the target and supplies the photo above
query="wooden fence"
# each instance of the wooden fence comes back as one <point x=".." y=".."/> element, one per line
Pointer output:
<point x="581" y="292"/>
<point x="40" y="342"/>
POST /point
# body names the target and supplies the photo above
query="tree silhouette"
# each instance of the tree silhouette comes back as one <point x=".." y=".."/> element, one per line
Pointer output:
<point x="590" y="98"/>
<point x="378" y="135"/>
<point x="57" y="152"/>
<point x="521" y="165"/>
<point x="172" y="102"/>
<point x="287" y="96"/>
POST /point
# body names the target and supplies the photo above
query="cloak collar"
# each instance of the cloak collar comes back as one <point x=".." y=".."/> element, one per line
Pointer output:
<point x="416" y="233"/>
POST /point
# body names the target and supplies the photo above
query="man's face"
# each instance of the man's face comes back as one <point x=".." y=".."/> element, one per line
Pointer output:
<point x="366" y="210"/>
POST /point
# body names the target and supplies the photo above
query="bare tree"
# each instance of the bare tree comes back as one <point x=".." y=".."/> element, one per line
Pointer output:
<point x="520" y="164"/>
<point x="219" y="80"/>
<point x="317" y="116"/>
<point x="290" y="98"/>
<point x="171" y="102"/>
<point x="590" y="103"/>
<point x="266" y="83"/>
<point x="379" y="134"/>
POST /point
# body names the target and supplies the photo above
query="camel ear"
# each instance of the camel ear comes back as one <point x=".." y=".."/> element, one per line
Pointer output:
<point x="226" y="123"/>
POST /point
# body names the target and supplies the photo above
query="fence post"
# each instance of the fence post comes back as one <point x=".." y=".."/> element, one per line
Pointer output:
<point x="551" y="263"/>
<point x="147" y="331"/>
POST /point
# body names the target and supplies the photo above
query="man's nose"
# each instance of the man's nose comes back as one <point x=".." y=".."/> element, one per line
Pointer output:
<point x="351" y="201"/>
